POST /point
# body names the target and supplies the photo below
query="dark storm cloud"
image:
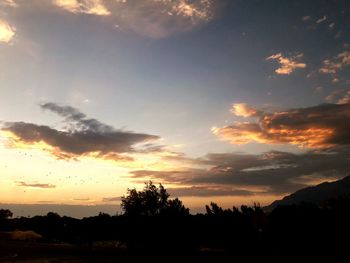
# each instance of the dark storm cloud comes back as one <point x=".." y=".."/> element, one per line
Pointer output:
<point x="36" y="185"/>
<point x="83" y="136"/>
<point x="276" y="172"/>
<point x="321" y="126"/>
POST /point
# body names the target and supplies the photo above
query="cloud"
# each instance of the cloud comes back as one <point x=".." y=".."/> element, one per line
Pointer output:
<point x="161" y="18"/>
<point x="10" y="3"/>
<point x="91" y="7"/>
<point x="331" y="25"/>
<point x="151" y="18"/>
<point x="210" y="190"/>
<point x="306" y="18"/>
<point x="148" y="18"/>
<point x="244" y="110"/>
<point x="319" y="126"/>
<point x="193" y="9"/>
<point x="82" y="199"/>
<point x="287" y="65"/>
<point x="235" y="174"/>
<point x="7" y="32"/>
<point x="332" y="66"/>
<point x="111" y="199"/>
<point x="77" y="120"/>
<point x="36" y="185"/>
<point x="322" y="19"/>
<point x="82" y="136"/>
<point x="339" y="96"/>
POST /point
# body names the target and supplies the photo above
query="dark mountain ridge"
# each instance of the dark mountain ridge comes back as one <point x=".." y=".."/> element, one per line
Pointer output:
<point x="316" y="194"/>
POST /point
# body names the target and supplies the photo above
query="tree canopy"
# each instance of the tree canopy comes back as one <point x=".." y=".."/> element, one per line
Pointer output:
<point x="5" y="214"/>
<point x="151" y="201"/>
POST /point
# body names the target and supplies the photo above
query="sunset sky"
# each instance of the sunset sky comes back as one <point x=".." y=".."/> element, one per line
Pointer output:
<point x="233" y="101"/>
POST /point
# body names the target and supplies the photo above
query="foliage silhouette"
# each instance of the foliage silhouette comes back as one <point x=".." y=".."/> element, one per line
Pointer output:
<point x="5" y="214"/>
<point x="152" y="201"/>
<point x="154" y="224"/>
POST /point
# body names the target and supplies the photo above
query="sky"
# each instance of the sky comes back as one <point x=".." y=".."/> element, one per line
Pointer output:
<point x="228" y="101"/>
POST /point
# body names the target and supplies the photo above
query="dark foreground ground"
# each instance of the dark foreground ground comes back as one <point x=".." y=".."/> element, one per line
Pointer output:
<point x="33" y="252"/>
<point x="37" y="252"/>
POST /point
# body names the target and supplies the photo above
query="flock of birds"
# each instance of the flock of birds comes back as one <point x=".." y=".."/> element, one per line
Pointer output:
<point x="76" y="180"/>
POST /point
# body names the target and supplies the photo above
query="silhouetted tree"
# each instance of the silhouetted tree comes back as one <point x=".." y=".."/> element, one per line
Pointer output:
<point x="175" y="208"/>
<point x="214" y="209"/>
<point x="5" y="214"/>
<point x="151" y="201"/>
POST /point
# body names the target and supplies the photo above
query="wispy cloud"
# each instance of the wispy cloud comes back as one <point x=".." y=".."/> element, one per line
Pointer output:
<point x="82" y="199"/>
<point x="320" y="126"/>
<point x="149" y="18"/>
<point x="332" y="66"/>
<point x="161" y="18"/>
<point x="306" y="18"/>
<point x="36" y="185"/>
<point x="91" y="7"/>
<point x="339" y="96"/>
<point x="322" y="19"/>
<point x="111" y="199"/>
<point x="192" y="9"/>
<point x="287" y="65"/>
<point x="10" y="3"/>
<point x="152" y="18"/>
<point x="7" y="32"/>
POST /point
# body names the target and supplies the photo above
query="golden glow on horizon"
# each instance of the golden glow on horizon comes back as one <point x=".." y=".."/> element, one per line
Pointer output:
<point x="15" y="142"/>
<point x="230" y="201"/>
<point x="77" y="182"/>
<point x="84" y="180"/>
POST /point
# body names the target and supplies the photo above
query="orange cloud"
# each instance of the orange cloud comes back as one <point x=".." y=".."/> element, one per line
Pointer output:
<point x="192" y="9"/>
<point x="161" y="18"/>
<point x="339" y="96"/>
<point x="7" y="32"/>
<point x="244" y="110"/>
<point x="315" y="127"/>
<point x="287" y="65"/>
<point x="336" y="64"/>
<point x="151" y="18"/>
<point x="92" y="7"/>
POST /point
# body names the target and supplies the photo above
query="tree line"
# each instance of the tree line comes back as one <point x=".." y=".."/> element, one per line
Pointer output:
<point x="152" y="222"/>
